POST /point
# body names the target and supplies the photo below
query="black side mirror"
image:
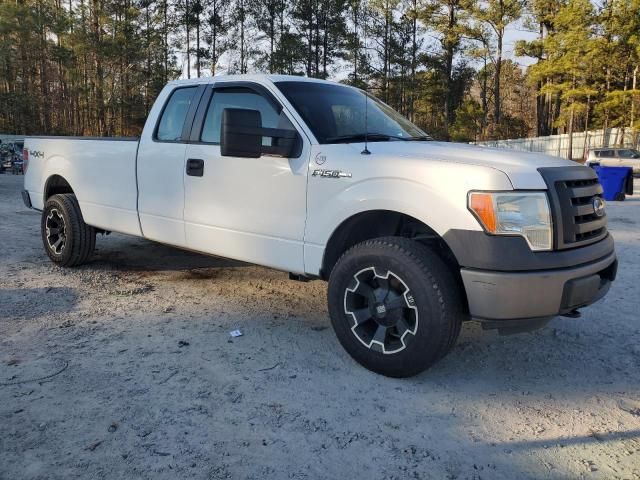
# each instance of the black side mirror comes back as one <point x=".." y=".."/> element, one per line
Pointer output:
<point x="241" y="135"/>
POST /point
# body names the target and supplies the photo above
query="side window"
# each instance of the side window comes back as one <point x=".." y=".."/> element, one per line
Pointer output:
<point x="626" y="154"/>
<point x="174" y="115"/>
<point x="243" y="98"/>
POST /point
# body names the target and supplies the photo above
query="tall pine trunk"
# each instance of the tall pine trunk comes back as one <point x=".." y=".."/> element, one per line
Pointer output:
<point x="272" y="40"/>
<point x="414" y="60"/>
<point x="242" y="52"/>
<point x="187" y="22"/>
<point x="497" y="112"/>
<point x="165" y="41"/>
<point x="99" y="73"/>
<point x="449" y="50"/>
<point x="570" y="132"/>
<point x="198" y="43"/>
<point x="214" y="40"/>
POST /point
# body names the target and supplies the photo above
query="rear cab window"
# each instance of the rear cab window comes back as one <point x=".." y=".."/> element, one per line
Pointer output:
<point x="174" y="114"/>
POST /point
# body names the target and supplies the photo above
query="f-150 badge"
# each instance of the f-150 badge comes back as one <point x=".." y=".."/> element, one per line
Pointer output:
<point x="330" y="174"/>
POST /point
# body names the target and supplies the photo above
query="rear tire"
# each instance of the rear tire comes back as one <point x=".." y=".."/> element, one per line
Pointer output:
<point x="67" y="240"/>
<point x="395" y="306"/>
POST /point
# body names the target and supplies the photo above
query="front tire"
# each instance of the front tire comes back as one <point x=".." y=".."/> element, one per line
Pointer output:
<point x="67" y="240"/>
<point x="394" y="305"/>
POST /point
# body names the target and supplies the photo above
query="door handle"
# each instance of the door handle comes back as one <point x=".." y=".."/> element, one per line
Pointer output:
<point x="195" y="167"/>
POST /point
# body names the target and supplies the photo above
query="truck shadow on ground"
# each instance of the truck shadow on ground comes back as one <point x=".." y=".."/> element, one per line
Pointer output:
<point x="549" y="361"/>
<point x="134" y="254"/>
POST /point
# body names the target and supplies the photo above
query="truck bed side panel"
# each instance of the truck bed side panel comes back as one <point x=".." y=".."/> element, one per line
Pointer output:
<point x="102" y="174"/>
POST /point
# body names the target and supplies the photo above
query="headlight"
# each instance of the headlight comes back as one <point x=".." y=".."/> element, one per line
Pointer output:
<point x="515" y="213"/>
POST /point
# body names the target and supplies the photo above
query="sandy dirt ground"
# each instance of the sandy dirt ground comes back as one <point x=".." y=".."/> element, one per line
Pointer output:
<point x="124" y="368"/>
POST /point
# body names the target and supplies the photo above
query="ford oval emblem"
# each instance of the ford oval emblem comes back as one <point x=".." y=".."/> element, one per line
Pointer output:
<point x="598" y="206"/>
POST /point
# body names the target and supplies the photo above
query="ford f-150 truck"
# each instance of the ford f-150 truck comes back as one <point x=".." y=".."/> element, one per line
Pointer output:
<point x="324" y="181"/>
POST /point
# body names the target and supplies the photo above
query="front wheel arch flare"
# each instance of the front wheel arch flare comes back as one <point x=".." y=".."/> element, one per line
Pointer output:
<point x="382" y="223"/>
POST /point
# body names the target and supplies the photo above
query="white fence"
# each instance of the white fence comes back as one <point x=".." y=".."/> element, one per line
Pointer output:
<point x="558" y="145"/>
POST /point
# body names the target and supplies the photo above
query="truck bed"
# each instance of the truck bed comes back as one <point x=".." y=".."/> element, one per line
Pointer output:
<point x="102" y="172"/>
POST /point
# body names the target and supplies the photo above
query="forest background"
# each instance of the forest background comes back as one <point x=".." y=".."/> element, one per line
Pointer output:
<point x="94" y="67"/>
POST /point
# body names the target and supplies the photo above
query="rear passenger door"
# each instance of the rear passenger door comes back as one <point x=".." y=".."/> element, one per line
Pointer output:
<point x="161" y="165"/>
<point x="250" y="209"/>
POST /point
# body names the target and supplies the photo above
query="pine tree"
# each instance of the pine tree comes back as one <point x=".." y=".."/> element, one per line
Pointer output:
<point x="569" y="50"/>
<point x="449" y="18"/>
<point x="540" y="16"/>
<point x="219" y="26"/>
<point x="498" y="14"/>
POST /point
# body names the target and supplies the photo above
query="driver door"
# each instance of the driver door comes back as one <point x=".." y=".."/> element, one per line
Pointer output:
<point x="249" y="209"/>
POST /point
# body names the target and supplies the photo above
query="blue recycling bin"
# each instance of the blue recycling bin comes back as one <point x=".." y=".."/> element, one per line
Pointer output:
<point x="615" y="181"/>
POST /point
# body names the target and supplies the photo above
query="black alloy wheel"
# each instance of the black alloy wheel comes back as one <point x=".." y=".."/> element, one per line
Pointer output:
<point x="383" y="310"/>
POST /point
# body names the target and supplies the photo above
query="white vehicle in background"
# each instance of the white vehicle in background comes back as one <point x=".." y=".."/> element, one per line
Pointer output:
<point x="315" y="178"/>
<point x="615" y="157"/>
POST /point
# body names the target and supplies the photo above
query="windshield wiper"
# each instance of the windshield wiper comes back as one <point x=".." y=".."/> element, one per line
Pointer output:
<point x="360" y="137"/>
<point x="375" y="137"/>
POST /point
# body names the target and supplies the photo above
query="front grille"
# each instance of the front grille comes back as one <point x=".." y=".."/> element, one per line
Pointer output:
<point x="571" y="192"/>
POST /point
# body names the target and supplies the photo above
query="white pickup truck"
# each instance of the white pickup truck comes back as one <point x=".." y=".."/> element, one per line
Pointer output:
<point x="322" y="181"/>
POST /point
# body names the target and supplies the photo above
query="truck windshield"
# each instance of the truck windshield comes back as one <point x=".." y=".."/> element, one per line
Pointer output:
<point x="336" y="114"/>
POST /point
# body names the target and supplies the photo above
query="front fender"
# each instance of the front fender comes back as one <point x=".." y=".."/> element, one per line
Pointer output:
<point x="435" y="194"/>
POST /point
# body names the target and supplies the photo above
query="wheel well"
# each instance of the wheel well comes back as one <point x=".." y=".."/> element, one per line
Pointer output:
<point x="382" y="223"/>
<point x="56" y="184"/>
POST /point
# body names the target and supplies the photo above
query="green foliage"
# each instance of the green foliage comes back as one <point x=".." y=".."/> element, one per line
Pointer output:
<point x="94" y="67"/>
<point x="587" y="59"/>
<point x="469" y="122"/>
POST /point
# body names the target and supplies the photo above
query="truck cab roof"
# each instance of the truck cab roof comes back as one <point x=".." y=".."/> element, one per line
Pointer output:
<point x="260" y="78"/>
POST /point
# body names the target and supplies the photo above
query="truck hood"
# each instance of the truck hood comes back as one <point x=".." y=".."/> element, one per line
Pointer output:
<point x="520" y="167"/>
